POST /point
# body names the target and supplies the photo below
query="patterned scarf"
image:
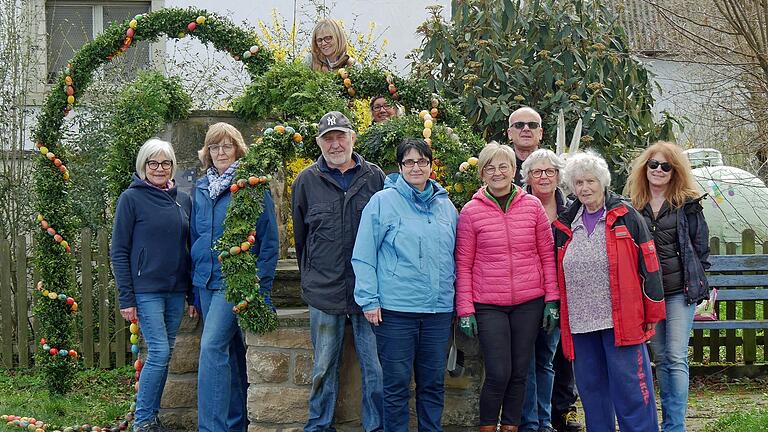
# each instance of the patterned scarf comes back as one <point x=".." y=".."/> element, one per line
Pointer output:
<point x="219" y="183"/>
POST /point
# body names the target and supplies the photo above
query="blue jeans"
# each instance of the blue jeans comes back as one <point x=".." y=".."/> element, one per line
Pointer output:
<point x="614" y="382"/>
<point x="537" y="408"/>
<point x="407" y="341"/>
<point x="159" y="315"/>
<point x="327" y="332"/>
<point x="221" y="380"/>
<point x="670" y="352"/>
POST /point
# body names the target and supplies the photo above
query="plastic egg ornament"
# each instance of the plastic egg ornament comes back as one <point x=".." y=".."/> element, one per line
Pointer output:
<point x="246" y="54"/>
<point x="135" y="349"/>
<point x="254" y="49"/>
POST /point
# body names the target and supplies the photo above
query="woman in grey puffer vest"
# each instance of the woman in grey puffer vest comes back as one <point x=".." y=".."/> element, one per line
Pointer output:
<point x="662" y="188"/>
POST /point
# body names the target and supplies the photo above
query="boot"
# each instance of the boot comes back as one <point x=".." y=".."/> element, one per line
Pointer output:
<point x="508" y="428"/>
<point x="489" y="428"/>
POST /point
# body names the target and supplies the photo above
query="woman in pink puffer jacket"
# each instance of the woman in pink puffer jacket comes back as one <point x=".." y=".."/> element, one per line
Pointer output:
<point x="506" y="285"/>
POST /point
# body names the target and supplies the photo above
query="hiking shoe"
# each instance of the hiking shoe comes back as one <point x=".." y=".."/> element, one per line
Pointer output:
<point x="153" y="425"/>
<point x="567" y="422"/>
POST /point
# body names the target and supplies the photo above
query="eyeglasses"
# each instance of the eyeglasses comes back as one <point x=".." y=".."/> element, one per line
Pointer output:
<point x="380" y="107"/>
<point x="326" y="39"/>
<point x="521" y="125"/>
<point x="409" y="163"/>
<point x="653" y="164"/>
<point x="216" y="149"/>
<point x="153" y="164"/>
<point x="491" y="170"/>
<point x="539" y="173"/>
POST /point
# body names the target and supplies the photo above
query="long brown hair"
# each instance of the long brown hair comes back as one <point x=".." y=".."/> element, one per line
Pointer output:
<point x="681" y="186"/>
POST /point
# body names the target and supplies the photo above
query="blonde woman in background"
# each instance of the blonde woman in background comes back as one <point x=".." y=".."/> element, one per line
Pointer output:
<point x="329" y="47"/>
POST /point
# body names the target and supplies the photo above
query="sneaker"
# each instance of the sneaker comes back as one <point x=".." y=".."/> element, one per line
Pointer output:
<point x="567" y="422"/>
<point x="153" y="425"/>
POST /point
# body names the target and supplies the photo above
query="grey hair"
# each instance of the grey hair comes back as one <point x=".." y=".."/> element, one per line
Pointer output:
<point x="587" y="162"/>
<point x="150" y="148"/>
<point x="538" y="156"/>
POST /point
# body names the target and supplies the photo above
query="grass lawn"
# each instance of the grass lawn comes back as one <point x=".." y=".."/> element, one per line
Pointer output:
<point x="99" y="397"/>
<point x="750" y="421"/>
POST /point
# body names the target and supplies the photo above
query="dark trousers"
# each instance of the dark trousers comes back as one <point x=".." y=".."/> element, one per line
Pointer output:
<point x="614" y="382"/>
<point x="507" y="335"/>
<point x="564" y="393"/>
<point x="413" y="344"/>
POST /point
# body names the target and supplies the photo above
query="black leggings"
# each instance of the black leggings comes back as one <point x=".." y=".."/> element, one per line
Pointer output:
<point x="507" y="335"/>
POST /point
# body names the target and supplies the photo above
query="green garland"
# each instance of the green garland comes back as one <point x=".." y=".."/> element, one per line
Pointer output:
<point x="144" y="106"/>
<point x="54" y="263"/>
<point x="450" y="148"/>
<point x="239" y="267"/>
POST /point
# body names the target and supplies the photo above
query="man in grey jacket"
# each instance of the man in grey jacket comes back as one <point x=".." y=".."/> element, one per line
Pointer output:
<point x="328" y="198"/>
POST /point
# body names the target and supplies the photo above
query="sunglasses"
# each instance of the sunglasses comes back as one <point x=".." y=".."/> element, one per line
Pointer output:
<point x="653" y="164"/>
<point x="521" y="125"/>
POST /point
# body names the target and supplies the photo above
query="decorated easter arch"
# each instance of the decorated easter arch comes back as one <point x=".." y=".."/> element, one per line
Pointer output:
<point x="53" y="254"/>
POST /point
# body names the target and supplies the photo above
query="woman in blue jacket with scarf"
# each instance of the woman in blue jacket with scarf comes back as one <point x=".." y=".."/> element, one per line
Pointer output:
<point x="221" y="380"/>
<point x="150" y="261"/>
<point x="404" y="276"/>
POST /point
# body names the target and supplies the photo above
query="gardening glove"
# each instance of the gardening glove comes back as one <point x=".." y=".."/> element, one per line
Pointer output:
<point x="468" y="325"/>
<point x="551" y="316"/>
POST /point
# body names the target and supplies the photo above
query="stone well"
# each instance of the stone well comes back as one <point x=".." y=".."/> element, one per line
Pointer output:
<point x="280" y="370"/>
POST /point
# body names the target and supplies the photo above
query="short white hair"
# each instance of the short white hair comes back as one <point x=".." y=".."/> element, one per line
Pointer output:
<point x="150" y="148"/>
<point x="584" y="163"/>
<point x="541" y="155"/>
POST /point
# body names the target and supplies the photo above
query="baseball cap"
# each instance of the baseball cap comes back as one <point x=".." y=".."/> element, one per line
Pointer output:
<point x="333" y="121"/>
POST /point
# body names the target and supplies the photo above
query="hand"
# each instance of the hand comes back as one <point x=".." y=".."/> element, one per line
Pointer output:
<point x="551" y="316"/>
<point x="650" y="326"/>
<point x="192" y="311"/>
<point x="129" y="314"/>
<point x="468" y="325"/>
<point x="373" y="316"/>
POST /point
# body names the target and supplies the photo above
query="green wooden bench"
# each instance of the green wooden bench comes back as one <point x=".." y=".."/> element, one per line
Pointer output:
<point x="740" y="280"/>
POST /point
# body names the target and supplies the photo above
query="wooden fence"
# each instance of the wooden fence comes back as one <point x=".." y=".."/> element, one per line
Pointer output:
<point x="739" y="346"/>
<point x="102" y="332"/>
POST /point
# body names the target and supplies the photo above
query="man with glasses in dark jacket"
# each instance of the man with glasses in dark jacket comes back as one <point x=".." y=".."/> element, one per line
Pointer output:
<point x="524" y="132"/>
<point x="328" y="199"/>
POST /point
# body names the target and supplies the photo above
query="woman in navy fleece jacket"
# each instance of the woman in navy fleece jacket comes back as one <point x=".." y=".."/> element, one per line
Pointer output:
<point x="150" y="260"/>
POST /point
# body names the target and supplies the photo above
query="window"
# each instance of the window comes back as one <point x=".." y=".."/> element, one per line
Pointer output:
<point x="71" y="24"/>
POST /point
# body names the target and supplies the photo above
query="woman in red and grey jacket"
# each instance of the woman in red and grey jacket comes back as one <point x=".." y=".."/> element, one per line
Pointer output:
<point x="506" y="285"/>
<point x="611" y="298"/>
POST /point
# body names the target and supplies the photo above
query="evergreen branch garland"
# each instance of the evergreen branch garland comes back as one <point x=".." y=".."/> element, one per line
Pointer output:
<point x="238" y="263"/>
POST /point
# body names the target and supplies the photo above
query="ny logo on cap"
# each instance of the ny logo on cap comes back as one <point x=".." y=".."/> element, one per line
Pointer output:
<point x="331" y="120"/>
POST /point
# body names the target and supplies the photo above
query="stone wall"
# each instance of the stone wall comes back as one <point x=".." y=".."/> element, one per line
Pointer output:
<point x="280" y="372"/>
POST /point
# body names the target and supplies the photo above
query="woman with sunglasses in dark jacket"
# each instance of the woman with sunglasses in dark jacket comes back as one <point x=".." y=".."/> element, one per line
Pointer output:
<point x="662" y="188"/>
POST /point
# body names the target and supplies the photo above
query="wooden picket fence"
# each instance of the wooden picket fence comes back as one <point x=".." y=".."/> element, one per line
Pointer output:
<point x="102" y="334"/>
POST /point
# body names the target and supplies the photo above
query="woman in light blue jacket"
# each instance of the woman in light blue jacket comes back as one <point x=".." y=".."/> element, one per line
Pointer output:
<point x="404" y="276"/>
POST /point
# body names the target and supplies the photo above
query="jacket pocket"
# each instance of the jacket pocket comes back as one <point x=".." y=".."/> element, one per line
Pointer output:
<point x="323" y="243"/>
<point x="140" y="264"/>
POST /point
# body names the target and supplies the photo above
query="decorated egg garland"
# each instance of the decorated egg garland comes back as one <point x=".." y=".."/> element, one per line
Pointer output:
<point x="60" y="297"/>
<point x="46" y="226"/>
<point x="52" y="196"/>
